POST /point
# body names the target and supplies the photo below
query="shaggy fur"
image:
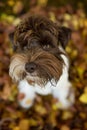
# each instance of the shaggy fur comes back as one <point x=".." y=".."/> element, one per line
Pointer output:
<point x="40" y="60"/>
<point x="36" y="41"/>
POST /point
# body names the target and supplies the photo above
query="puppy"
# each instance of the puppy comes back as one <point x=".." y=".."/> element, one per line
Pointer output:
<point x="40" y="64"/>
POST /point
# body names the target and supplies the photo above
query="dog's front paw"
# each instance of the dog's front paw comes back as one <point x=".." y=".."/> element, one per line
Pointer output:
<point x="24" y="100"/>
<point x="26" y="94"/>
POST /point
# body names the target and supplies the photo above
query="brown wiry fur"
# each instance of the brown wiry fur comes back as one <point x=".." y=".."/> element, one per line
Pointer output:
<point x="36" y="29"/>
<point x="36" y="41"/>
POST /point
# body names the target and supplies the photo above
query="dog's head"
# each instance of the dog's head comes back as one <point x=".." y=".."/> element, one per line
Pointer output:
<point x="37" y="57"/>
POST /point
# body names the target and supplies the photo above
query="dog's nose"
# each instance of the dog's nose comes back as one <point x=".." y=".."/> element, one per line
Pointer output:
<point x="30" y="67"/>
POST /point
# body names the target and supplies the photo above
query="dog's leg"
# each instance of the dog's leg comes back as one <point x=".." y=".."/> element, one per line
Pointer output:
<point x="26" y="94"/>
<point x="64" y="95"/>
<point x="64" y="91"/>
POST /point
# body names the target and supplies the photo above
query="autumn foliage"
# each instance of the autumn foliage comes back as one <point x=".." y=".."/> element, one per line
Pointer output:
<point x="44" y="115"/>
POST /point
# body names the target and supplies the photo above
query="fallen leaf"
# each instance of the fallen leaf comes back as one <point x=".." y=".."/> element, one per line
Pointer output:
<point x="16" y="128"/>
<point x="83" y="98"/>
<point x="24" y="124"/>
<point x="66" y="115"/>
<point x="64" y="127"/>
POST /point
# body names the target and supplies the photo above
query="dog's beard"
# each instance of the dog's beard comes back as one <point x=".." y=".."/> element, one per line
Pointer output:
<point x="48" y="67"/>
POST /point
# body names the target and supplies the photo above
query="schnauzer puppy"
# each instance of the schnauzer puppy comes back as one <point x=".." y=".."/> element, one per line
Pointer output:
<point x="40" y="64"/>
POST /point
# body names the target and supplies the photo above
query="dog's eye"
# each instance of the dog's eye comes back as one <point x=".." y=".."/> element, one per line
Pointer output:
<point x="25" y="48"/>
<point x="33" y="44"/>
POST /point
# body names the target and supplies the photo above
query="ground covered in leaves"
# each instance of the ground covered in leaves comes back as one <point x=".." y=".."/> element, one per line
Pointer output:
<point x="44" y="115"/>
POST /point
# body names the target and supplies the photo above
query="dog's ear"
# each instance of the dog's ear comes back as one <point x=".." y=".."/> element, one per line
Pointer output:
<point x="11" y="37"/>
<point x="64" y="36"/>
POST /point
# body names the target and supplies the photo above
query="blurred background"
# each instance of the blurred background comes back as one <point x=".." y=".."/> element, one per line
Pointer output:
<point x="44" y="115"/>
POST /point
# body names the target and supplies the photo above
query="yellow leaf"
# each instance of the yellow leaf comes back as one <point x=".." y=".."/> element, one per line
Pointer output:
<point x="81" y="22"/>
<point x="16" y="128"/>
<point x="82" y="115"/>
<point x="33" y="122"/>
<point x="83" y="98"/>
<point x="18" y="7"/>
<point x="24" y="124"/>
<point x="54" y="107"/>
<point x="80" y="71"/>
<point x="85" y="22"/>
<point x="59" y="105"/>
<point x="75" y="22"/>
<point x="67" y="17"/>
<point x="68" y="49"/>
<point x="66" y="115"/>
<point x="11" y="2"/>
<point x="42" y="2"/>
<point x="10" y="18"/>
<point x="52" y="16"/>
<point x="52" y="118"/>
<point x="64" y="127"/>
<point x="85" y="89"/>
<point x="41" y="110"/>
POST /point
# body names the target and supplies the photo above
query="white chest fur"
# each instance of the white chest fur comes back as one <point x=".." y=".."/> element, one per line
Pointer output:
<point x="60" y="90"/>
